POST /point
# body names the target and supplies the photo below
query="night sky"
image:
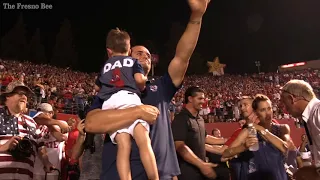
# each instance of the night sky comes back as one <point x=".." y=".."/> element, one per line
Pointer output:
<point x="240" y="32"/>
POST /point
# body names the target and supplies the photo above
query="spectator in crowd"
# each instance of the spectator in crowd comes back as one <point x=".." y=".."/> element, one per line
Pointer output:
<point x="254" y="164"/>
<point x="15" y="127"/>
<point x="301" y="102"/>
<point x="54" y="141"/>
<point x="189" y="135"/>
<point x="216" y="133"/>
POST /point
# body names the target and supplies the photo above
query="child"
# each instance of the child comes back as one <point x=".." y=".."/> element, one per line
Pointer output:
<point x="121" y="80"/>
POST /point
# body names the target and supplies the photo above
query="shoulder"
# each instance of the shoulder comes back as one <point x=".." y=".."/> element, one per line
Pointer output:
<point x="237" y="132"/>
<point x="182" y="115"/>
<point x="29" y="120"/>
<point x="285" y="128"/>
<point x="180" y="119"/>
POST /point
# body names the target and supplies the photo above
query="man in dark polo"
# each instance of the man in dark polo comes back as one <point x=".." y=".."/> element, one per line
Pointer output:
<point x="158" y="94"/>
<point x="190" y="137"/>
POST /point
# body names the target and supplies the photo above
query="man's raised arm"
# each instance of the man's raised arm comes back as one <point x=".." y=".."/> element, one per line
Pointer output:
<point x="106" y="121"/>
<point x="186" y="45"/>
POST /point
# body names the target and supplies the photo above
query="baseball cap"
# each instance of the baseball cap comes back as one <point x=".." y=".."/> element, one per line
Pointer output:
<point x="45" y="107"/>
<point x="17" y="84"/>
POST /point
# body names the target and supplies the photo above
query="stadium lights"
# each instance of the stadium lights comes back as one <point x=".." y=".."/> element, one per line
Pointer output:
<point x="293" y="65"/>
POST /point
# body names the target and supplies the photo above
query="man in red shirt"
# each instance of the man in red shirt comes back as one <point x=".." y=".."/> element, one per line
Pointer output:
<point x="72" y="138"/>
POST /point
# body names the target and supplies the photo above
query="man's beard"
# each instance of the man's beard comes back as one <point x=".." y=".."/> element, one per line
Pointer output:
<point x="269" y="118"/>
<point x="146" y="70"/>
<point x="20" y="107"/>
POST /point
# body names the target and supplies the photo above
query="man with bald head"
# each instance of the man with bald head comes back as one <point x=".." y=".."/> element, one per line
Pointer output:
<point x="300" y="101"/>
<point x="157" y="95"/>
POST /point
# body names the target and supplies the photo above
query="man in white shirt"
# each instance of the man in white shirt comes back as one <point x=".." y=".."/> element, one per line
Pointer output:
<point x="54" y="141"/>
<point x="301" y="102"/>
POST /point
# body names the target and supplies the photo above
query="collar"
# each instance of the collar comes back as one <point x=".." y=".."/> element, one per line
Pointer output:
<point x="186" y="111"/>
<point x="307" y="110"/>
<point x="7" y="112"/>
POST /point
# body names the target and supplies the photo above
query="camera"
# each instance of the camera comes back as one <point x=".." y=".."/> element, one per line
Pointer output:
<point x="23" y="149"/>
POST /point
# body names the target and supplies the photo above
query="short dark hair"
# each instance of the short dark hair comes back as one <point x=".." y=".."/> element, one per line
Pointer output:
<point x="192" y="91"/>
<point x="214" y="129"/>
<point x="117" y="40"/>
<point x="257" y="99"/>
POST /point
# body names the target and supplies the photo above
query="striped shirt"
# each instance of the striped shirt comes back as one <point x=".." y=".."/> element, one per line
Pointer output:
<point x="24" y="126"/>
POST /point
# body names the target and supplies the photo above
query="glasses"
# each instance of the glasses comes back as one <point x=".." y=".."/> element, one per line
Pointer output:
<point x="50" y="112"/>
<point x="21" y="93"/>
<point x="295" y="96"/>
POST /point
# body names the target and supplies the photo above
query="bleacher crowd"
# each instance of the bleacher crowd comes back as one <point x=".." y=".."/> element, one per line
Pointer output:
<point x="69" y="91"/>
<point x="222" y="92"/>
<point x="66" y="90"/>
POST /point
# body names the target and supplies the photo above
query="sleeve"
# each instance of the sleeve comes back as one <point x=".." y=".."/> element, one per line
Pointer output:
<point x="233" y="137"/>
<point x="179" y="128"/>
<point x="37" y="114"/>
<point x="137" y="68"/>
<point x="170" y="89"/>
<point x="96" y="104"/>
<point x="97" y="81"/>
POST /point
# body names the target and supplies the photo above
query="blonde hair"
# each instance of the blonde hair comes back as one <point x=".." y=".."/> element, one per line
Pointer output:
<point x="299" y="88"/>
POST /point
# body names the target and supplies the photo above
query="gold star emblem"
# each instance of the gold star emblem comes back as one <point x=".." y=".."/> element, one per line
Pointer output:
<point x="216" y="66"/>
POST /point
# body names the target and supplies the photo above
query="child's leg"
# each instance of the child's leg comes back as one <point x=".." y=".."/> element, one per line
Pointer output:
<point x="141" y="136"/>
<point x="123" y="155"/>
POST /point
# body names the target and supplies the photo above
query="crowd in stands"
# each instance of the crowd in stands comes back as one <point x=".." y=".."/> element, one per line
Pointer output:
<point x="223" y="92"/>
<point x="66" y="90"/>
<point x="70" y="91"/>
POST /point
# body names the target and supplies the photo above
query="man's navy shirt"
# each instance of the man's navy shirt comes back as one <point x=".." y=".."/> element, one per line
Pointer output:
<point x="118" y="74"/>
<point x="159" y="94"/>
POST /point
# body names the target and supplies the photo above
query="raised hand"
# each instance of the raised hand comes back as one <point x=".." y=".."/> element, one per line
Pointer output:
<point x="198" y="7"/>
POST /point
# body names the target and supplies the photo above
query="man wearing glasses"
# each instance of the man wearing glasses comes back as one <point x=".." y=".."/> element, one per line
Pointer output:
<point x="16" y="160"/>
<point x="54" y="141"/>
<point x="301" y="102"/>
